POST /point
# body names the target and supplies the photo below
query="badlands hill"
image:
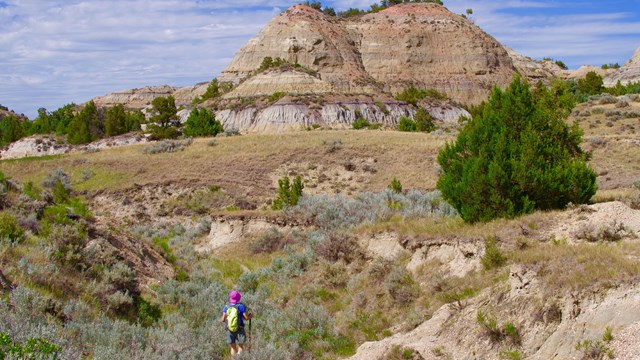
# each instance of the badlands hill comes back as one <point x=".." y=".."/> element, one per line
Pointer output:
<point x="421" y="45"/>
<point x="628" y="73"/>
<point x="351" y="66"/>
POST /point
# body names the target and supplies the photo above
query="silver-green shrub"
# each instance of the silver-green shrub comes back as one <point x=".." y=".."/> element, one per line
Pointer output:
<point x="338" y="211"/>
<point x="167" y="146"/>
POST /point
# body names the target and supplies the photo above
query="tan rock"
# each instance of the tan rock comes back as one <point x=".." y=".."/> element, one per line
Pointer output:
<point x="628" y="73"/>
<point x="534" y="70"/>
<point x="422" y="45"/>
<point x="582" y="72"/>
<point x="290" y="82"/>
<point x="310" y="38"/>
<point x="141" y="98"/>
<point x="427" y="46"/>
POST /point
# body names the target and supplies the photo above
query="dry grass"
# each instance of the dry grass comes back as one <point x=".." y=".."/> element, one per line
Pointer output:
<point x="563" y="267"/>
<point x="246" y="164"/>
<point x="613" y="142"/>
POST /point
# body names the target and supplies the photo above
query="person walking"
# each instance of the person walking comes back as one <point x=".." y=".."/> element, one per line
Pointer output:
<point x="234" y="314"/>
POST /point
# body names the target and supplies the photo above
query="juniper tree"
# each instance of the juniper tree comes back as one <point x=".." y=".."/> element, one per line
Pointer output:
<point x="516" y="155"/>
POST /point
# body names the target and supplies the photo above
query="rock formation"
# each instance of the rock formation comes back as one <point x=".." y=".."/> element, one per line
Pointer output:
<point x="421" y="45"/>
<point x="141" y="98"/>
<point x="534" y="70"/>
<point x="628" y="73"/>
<point x="582" y="72"/>
<point x="290" y="82"/>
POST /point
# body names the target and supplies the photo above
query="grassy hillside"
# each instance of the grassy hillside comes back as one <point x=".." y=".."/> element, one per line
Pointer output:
<point x="317" y="277"/>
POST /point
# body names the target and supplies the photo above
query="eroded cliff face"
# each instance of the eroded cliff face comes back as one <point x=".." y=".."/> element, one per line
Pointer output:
<point x="290" y="116"/>
<point x="310" y="38"/>
<point x="427" y="46"/>
<point x="421" y="45"/>
<point x="628" y="73"/>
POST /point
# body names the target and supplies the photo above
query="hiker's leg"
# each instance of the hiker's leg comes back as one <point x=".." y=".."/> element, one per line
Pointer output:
<point x="234" y="349"/>
<point x="241" y="338"/>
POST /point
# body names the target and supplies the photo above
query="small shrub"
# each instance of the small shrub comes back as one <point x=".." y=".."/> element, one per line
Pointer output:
<point x="395" y="186"/>
<point x="511" y="355"/>
<point x="360" y="123"/>
<point x="597" y="349"/>
<point x="9" y="228"/>
<point x="400" y="285"/>
<point x="231" y="132"/>
<point x="67" y="242"/>
<point x="406" y="124"/>
<point x="87" y="174"/>
<point x="276" y="96"/>
<point x="490" y="326"/>
<point x="212" y="142"/>
<point x="288" y="194"/>
<point x="163" y="132"/>
<point x="270" y="241"/>
<point x="32" y="191"/>
<point x="57" y="175"/>
<point x="412" y="95"/>
<point x="31" y="348"/>
<point x="202" y="122"/>
<point x="167" y="146"/>
<point x="339" y="246"/>
<point x="493" y="257"/>
<point x="508" y="331"/>
<point x="332" y="145"/>
<point x="613" y="231"/>
<point x="424" y="121"/>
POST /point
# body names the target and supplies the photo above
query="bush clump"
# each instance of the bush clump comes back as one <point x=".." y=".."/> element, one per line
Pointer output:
<point x="202" y="122"/>
<point x="9" y="228"/>
<point x="167" y="146"/>
<point x="516" y="155"/>
<point x="288" y="194"/>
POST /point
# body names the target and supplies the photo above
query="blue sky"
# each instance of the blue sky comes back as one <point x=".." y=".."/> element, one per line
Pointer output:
<point x="56" y="52"/>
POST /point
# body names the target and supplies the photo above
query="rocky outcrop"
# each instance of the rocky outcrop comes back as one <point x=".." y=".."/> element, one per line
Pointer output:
<point x="290" y="82"/>
<point x="422" y="45"/>
<point x="310" y="38"/>
<point x="534" y="70"/>
<point x="286" y="115"/>
<point x="34" y="146"/>
<point x="583" y="70"/>
<point x="141" y="98"/>
<point x="628" y="73"/>
<point x="38" y="145"/>
<point x="427" y="46"/>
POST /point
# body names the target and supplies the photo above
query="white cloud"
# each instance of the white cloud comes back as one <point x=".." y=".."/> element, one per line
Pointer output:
<point x="565" y="30"/>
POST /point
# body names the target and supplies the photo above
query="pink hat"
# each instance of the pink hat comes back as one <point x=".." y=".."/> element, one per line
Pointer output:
<point x="234" y="297"/>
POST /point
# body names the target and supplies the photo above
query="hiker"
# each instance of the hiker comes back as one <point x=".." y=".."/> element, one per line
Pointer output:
<point x="234" y="314"/>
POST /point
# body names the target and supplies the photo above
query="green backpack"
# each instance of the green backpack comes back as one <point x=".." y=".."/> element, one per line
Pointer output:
<point x="232" y="317"/>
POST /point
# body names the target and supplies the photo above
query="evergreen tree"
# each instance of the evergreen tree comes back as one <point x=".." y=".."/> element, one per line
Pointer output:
<point x="85" y="126"/>
<point x="11" y="129"/>
<point x="288" y="194"/>
<point x="423" y="120"/>
<point x="61" y="119"/>
<point x="43" y="123"/>
<point x="515" y="156"/>
<point x="164" y="111"/>
<point x="591" y="84"/>
<point x="115" y="122"/>
<point x="202" y="122"/>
